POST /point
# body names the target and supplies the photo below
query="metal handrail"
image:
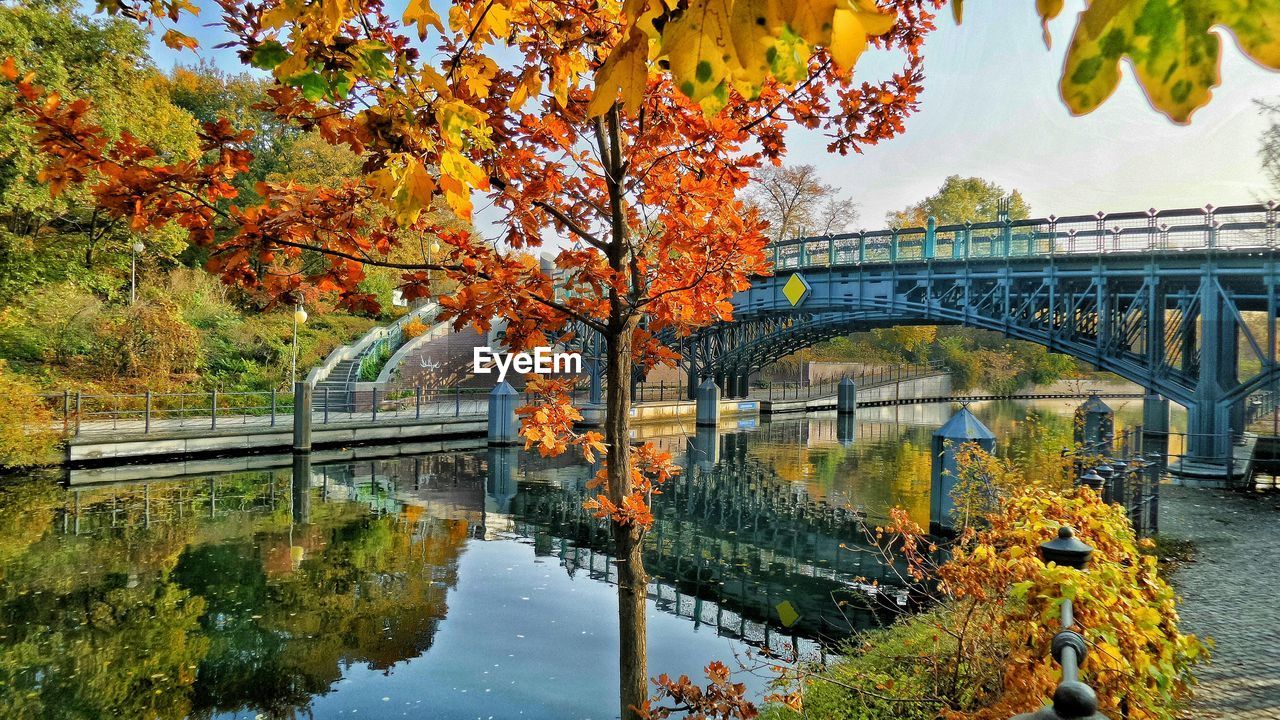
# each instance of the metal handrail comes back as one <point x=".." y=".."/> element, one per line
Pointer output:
<point x="1238" y="227"/>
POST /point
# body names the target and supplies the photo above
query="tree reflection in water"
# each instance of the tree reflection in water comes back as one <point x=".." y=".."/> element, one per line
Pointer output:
<point x="252" y="593"/>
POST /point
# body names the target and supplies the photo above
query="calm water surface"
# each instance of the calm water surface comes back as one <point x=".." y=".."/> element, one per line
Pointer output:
<point x="466" y="585"/>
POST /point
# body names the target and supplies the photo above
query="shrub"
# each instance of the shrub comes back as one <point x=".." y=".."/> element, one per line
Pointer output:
<point x="27" y="437"/>
<point x="150" y="341"/>
<point x="414" y="328"/>
<point x="999" y="607"/>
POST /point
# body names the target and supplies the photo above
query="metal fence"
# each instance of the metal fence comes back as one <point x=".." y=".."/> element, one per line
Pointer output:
<point x="80" y="413"/>
<point x="1238" y="227"/>
<point x="146" y="413"/>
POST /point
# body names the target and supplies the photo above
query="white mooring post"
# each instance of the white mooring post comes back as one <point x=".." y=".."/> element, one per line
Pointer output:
<point x="708" y="404"/>
<point x="504" y="426"/>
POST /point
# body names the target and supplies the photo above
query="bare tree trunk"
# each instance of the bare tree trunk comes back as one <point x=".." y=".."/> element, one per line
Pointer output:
<point x="628" y="549"/>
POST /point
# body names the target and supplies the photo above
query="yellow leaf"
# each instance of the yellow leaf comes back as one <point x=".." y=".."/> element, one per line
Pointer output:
<point x="420" y="12"/>
<point x="529" y="86"/>
<point x="850" y="29"/>
<point x="178" y="41"/>
<point x="626" y="71"/>
<point x="1048" y="10"/>
<point x="810" y="19"/>
<point x="698" y="46"/>
<point x="755" y="26"/>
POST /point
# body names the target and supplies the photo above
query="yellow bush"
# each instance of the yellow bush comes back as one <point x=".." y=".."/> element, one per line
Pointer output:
<point x="27" y="435"/>
<point x="414" y="328"/>
<point x="1139" y="663"/>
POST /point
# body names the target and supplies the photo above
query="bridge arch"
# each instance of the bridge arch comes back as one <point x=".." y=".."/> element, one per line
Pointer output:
<point x="1157" y="298"/>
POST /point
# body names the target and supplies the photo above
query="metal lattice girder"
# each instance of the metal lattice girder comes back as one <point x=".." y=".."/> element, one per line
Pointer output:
<point x="1158" y="298"/>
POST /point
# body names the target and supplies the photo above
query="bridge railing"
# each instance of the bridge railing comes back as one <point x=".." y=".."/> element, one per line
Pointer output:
<point x="1237" y="227"/>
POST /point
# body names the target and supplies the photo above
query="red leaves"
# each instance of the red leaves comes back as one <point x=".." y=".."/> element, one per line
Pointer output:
<point x="718" y="700"/>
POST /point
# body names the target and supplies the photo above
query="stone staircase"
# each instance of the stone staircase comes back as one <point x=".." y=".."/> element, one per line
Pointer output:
<point x="334" y="393"/>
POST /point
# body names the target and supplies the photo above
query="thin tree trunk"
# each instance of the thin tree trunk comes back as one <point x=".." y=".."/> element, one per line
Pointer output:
<point x="628" y="550"/>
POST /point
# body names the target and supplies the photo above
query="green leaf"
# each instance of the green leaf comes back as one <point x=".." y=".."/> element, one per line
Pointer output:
<point x="313" y="86"/>
<point x="1018" y="591"/>
<point x="1174" y="55"/>
<point x="268" y="55"/>
<point x="378" y="64"/>
<point x="340" y="85"/>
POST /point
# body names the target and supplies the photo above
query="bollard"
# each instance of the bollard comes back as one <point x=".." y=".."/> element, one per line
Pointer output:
<point x="847" y="397"/>
<point x="846" y="428"/>
<point x="500" y="479"/>
<point x="963" y="427"/>
<point x="301" y="488"/>
<point x="504" y="425"/>
<point x="1095" y="426"/>
<point x="704" y="448"/>
<point x="301" y="417"/>
<point x="708" y="404"/>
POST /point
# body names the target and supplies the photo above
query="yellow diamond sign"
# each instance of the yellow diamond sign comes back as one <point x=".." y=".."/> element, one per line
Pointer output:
<point x="787" y="613"/>
<point x="796" y="289"/>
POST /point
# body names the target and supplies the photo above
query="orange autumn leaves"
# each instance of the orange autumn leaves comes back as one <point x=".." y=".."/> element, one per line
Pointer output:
<point x="548" y="424"/>
<point x="650" y="469"/>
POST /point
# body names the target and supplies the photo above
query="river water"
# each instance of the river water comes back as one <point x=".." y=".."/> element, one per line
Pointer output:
<point x="461" y="585"/>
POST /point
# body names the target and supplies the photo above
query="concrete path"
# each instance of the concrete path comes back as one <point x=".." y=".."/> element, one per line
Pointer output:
<point x="1230" y="593"/>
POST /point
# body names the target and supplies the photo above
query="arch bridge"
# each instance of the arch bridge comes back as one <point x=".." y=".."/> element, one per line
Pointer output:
<point x="1182" y="302"/>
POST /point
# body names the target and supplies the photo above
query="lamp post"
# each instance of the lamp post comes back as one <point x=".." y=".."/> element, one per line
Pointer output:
<point x="137" y="247"/>
<point x="431" y="259"/>
<point x="299" y="316"/>
<point x="1072" y="699"/>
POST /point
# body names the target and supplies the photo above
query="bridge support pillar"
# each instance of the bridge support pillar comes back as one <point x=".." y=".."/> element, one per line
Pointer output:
<point x="963" y="427"/>
<point x="301" y="416"/>
<point x="847" y="397"/>
<point x="741" y="385"/>
<point x="708" y="404"/>
<point x="1212" y="421"/>
<point x="1155" y="413"/>
<point x="504" y="426"/>
<point x="594" y="383"/>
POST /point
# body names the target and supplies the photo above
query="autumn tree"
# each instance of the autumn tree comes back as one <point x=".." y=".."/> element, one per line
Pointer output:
<point x="796" y="203"/>
<point x="626" y="129"/>
<point x="47" y="239"/>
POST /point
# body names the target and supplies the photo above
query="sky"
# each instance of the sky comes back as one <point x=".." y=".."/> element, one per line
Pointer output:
<point x="991" y="109"/>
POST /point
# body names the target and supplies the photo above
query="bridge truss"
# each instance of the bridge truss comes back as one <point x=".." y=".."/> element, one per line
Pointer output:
<point x="1182" y="302"/>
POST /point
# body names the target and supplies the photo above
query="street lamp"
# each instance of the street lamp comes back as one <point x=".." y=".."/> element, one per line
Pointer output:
<point x="431" y="259"/>
<point x="137" y="247"/>
<point x="299" y="316"/>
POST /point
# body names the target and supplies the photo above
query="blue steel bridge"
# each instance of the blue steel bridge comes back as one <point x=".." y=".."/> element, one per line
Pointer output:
<point x="1182" y="302"/>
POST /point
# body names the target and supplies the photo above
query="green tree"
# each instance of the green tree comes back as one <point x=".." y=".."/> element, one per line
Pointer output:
<point x="961" y="200"/>
<point x="44" y="239"/>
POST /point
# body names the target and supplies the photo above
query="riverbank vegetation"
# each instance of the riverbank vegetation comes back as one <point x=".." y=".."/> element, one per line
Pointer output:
<point x="981" y="651"/>
<point x="67" y="268"/>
